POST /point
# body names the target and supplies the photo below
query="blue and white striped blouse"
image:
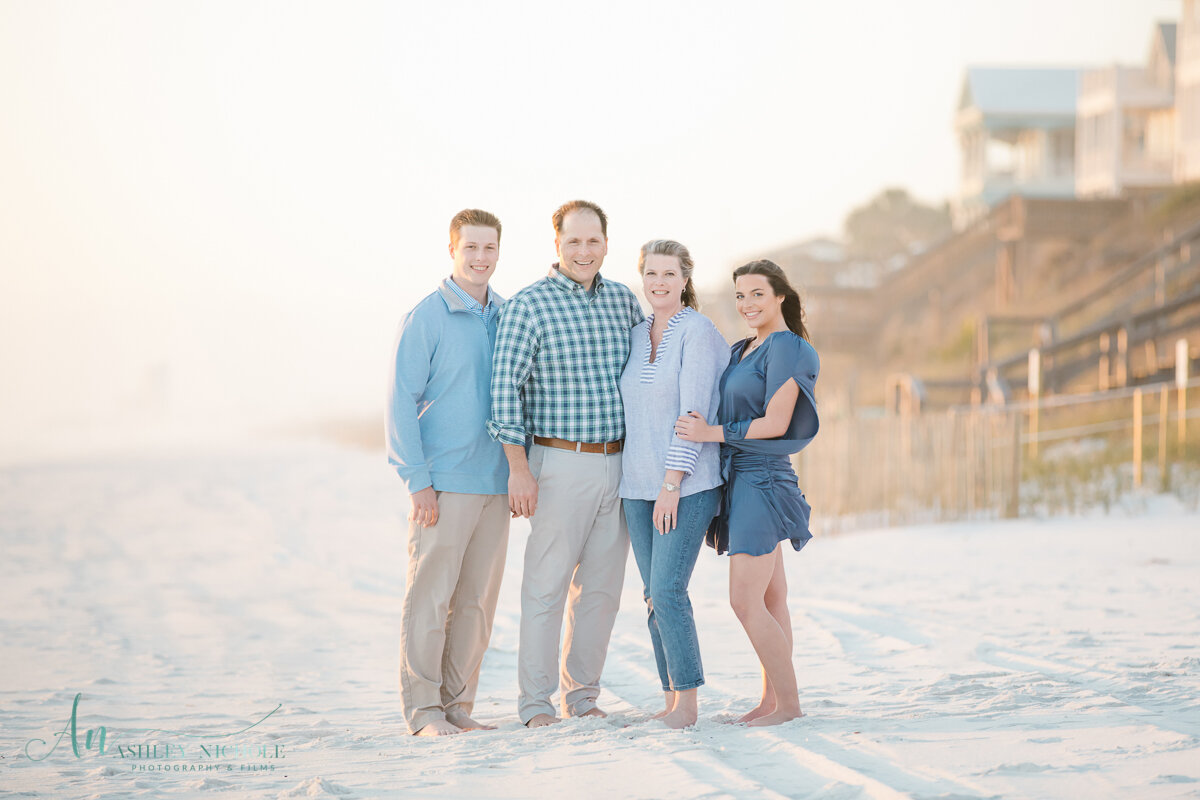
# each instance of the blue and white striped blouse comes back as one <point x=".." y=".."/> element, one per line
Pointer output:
<point x="683" y="377"/>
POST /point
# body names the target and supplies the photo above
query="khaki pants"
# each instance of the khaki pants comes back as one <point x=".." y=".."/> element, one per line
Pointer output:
<point x="454" y="572"/>
<point x="575" y="557"/>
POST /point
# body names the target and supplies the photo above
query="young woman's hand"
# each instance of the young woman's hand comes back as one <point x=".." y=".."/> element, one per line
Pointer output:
<point x="692" y="427"/>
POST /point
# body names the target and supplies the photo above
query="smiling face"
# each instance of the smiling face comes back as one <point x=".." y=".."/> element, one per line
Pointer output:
<point x="662" y="283"/>
<point x="475" y="255"/>
<point x="581" y="246"/>
<point x="758" y="304"/>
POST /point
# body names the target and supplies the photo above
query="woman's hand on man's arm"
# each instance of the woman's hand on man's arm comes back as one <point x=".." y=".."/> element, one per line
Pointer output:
<point x="692" y="427"/>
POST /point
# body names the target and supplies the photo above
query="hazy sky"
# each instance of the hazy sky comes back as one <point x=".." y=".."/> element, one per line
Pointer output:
<point x="226" y="207"/>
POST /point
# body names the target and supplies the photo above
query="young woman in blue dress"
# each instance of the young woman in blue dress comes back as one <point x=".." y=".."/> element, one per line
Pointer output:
<point x="767" y="412"/>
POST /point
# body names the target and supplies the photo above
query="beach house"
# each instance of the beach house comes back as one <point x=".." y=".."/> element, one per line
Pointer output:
<point x="1016" y="134"/>
<point x="1125" y="132"/>
<point x="1187" y="94"/>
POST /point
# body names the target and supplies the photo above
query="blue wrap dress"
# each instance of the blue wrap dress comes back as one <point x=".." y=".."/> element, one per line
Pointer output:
<point x="762" y="504"/>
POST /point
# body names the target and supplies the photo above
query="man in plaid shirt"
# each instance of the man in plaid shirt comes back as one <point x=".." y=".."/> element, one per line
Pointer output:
<point x="560" y="349"/>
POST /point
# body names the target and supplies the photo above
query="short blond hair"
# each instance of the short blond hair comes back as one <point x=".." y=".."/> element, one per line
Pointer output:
<point x="476" y="217"/>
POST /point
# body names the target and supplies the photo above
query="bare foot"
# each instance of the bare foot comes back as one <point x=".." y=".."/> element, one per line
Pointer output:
<point x="759" y="710"/>
<point x="541" y="721"/>
<point x="593" y="712"/>
<point x="775" y="717"/>
<point x="669" y="700"/>
<point x="679" y="719"/>
<point x="467" y="724"/>
<point x="439" y="727"/>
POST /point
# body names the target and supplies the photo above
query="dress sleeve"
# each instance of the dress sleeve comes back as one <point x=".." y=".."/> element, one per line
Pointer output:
<point x="789" y="357"/>
<point x="792" y="358"/>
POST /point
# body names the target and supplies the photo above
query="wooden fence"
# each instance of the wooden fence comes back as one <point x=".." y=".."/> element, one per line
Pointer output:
<point x="1063" y="454"/>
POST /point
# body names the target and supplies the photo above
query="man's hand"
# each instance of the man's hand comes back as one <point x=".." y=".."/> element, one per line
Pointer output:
<point x="522" y="492"/>
<point x="424" y="507"/>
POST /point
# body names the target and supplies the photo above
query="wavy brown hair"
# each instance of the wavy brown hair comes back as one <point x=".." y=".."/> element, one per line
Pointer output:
<point x="793" y="311"/>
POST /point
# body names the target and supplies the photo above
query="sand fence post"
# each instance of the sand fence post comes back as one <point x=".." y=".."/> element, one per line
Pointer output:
<point x="1181" y="381"/>
<point x="1035" y="397"/>
<point x="1012" y="502"/>
<point x="1164" y="477"/>
<point x="1137" y="438"/>
<point x="1105" y="366"/>
<point x="1123" y="356"/>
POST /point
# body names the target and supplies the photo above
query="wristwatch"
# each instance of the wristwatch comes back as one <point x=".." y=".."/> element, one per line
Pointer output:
<point x="670" y="487"/>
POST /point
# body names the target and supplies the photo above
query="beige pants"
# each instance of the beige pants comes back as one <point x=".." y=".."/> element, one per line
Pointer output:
<point x="575" y="557"/>
<point x="454" y="572"/>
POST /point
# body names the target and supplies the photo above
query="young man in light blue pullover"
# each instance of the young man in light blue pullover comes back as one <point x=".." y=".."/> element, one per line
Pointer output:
<point x="457" y="476"/>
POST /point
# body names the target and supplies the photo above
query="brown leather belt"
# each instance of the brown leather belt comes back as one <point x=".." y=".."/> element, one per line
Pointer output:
<point x="608" y="448"/>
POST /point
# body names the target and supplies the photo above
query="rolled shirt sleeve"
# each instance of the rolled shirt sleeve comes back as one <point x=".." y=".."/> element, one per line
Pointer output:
<point x="703" y="354"/>
<point x="516" y="345"/>
<point x="409" y="375"/>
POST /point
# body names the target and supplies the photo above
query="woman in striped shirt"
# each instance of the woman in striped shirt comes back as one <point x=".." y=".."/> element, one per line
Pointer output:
<point x="670" y="487"/>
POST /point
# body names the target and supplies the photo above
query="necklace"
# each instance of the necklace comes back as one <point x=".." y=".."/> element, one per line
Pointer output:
<point x="749" y="348"/>
<point x="754" y="343"/>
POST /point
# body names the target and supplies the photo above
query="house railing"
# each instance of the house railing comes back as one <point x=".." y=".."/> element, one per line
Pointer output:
<point x="1120" y="329"/>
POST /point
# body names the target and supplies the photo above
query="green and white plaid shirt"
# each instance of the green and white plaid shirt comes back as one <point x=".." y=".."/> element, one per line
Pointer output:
<point x="559" y="354"/>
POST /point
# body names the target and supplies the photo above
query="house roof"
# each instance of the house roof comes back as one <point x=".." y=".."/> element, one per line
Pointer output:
<point x="1003" y="91"/>
<point x="1166" y="32"/>
<point x="817" y="249"/>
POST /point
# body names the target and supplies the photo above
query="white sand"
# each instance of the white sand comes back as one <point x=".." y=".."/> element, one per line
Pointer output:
<point x="195" y="594"/>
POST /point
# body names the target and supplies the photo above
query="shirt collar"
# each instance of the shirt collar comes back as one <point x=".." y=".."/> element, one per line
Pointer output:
<point x="566" y="284"/>
<point x="675" y="318"/>
<point x="458" y="300"/>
